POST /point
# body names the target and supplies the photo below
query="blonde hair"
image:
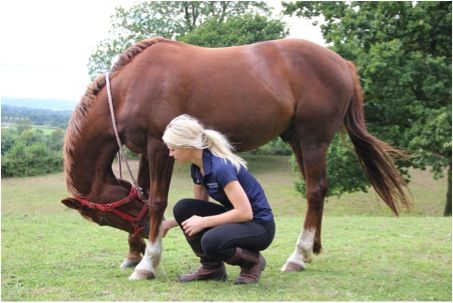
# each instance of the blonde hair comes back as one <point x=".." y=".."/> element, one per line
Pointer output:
<point x="187" y="131"/>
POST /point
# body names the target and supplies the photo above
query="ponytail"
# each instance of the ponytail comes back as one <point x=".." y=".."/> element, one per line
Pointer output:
<point x="219" y="145"/>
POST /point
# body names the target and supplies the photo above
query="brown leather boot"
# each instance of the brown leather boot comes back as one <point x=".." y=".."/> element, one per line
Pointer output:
<point x="210" y="269"/>
<point x="205" y="273"/>
<point x="251" y="263"/>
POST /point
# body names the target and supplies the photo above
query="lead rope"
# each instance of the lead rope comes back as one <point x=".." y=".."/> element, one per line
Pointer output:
<point x="118" y="140"/>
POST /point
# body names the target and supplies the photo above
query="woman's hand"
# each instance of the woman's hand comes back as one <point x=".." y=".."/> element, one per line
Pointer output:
<point x="193" y="225"/>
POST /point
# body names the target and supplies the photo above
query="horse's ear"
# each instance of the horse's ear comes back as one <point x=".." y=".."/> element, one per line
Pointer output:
<point x="71" y="203"/>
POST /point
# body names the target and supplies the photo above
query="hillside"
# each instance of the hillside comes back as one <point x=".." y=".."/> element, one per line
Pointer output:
<point x="50" y="104"/>
<point x="38" y="116"/>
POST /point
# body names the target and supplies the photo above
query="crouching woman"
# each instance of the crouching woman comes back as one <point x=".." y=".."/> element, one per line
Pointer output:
<point x="234" y="230"/>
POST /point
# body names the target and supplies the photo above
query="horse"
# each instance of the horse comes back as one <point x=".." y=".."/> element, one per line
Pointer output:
<point x="290" y="88"/>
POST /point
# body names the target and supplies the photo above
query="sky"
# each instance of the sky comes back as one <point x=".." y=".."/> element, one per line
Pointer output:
<point x="45" y="44"/>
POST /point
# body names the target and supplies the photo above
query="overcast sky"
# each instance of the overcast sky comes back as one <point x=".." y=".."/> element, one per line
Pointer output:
<point x="45" y="44"/>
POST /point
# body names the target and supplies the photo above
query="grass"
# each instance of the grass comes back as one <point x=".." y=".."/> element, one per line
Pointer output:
<point x="49" y="253"/>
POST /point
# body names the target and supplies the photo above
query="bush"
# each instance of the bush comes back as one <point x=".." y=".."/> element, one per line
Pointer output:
<point x="276" y="147"/>
<point x="29" y="152"/>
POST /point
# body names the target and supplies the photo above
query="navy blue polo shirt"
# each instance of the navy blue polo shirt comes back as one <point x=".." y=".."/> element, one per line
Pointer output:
<point x="219" y="172"/>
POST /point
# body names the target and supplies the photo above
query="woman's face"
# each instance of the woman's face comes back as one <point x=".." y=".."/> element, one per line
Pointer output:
<point x="181" y="154"/>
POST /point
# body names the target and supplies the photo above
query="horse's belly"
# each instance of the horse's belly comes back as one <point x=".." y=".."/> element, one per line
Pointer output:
<point x="248" y="122"/>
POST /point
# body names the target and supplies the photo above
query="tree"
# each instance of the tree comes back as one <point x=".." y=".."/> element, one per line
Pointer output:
<point x="237" y="30"/>
<point x="56" y="139"/>
<point x="170" y="19"/>
<point x="403" y="53"/>
<point x="8" y="138"/>
<point x="207" y="23"/>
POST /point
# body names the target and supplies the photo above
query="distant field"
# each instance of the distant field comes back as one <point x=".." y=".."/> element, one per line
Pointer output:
<point x="47" y="130"/>
<point x="50" y="253"/>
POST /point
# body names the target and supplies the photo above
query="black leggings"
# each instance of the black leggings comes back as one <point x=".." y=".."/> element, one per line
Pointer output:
<point x="220" y="242"/>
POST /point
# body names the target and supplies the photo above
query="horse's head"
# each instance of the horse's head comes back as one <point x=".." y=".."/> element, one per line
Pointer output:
<point x="130" y="213"/>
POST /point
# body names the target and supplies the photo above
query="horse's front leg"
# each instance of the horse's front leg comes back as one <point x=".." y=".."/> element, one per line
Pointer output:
<point x="160" y="168"/>
<point x="137" y="244"/>
<point x="136" y="249"/>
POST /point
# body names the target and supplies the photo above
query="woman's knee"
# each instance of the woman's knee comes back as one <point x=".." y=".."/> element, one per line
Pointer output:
<point x="182" y="210"/>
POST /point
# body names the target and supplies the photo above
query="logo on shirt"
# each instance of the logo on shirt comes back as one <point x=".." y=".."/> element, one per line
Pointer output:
<point x="212" y="185"/>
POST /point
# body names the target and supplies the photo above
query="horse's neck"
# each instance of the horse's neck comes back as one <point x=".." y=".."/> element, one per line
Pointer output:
<point x="92" y="158"/>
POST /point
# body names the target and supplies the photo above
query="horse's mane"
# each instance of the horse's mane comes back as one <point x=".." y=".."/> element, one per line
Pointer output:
<point x="74" y="130"/>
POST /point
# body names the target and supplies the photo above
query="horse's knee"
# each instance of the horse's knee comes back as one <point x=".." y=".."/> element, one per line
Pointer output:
<point x="157" y="208"/>
<point x="316" y="195"/>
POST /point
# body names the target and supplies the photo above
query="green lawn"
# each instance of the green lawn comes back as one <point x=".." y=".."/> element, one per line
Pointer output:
<point x="50" y="253"/>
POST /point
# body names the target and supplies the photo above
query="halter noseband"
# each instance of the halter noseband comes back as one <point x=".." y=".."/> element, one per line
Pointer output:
<point x="112" y="207"/>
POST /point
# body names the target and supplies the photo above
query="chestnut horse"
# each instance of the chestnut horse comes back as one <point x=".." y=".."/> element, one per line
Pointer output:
<point x="253" y="93"/>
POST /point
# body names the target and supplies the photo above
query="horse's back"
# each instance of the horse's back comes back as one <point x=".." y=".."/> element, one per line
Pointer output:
<point x="241" y="90"/>
<point x="285" y="68"/>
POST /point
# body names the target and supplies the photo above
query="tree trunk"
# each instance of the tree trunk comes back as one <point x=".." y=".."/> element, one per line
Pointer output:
<point x="447" y="211"/>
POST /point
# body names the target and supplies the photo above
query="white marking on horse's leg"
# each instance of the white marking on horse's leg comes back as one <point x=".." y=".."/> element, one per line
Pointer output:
<point x="128" y="263"/>
<point x="305" y="244"/>
<point x="302" y="253"/>
<point x="146" y="269"/>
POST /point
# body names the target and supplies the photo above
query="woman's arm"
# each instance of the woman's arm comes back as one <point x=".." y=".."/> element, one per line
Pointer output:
<point x="167" y="225"/>
<point x="242" y="211"/>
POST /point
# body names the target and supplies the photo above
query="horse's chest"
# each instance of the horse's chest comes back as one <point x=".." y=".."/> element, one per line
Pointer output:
<point x="136" y="141"/>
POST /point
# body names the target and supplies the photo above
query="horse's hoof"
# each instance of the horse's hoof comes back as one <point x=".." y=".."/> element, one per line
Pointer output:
<point x="291" y="266"/>
<point x="128" y="263"/>
<point x="141" y="275"/>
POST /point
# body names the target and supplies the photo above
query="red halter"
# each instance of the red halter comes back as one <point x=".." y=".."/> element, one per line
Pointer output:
<point x="112" y="207"/>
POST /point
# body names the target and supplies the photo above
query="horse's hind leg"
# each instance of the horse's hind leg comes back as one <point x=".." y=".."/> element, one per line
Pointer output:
<point x="136" y="248"/>
<point x="313" y="168"/>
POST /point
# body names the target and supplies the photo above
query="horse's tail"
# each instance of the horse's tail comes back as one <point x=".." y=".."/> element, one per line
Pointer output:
<point x="376" y="157"/>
